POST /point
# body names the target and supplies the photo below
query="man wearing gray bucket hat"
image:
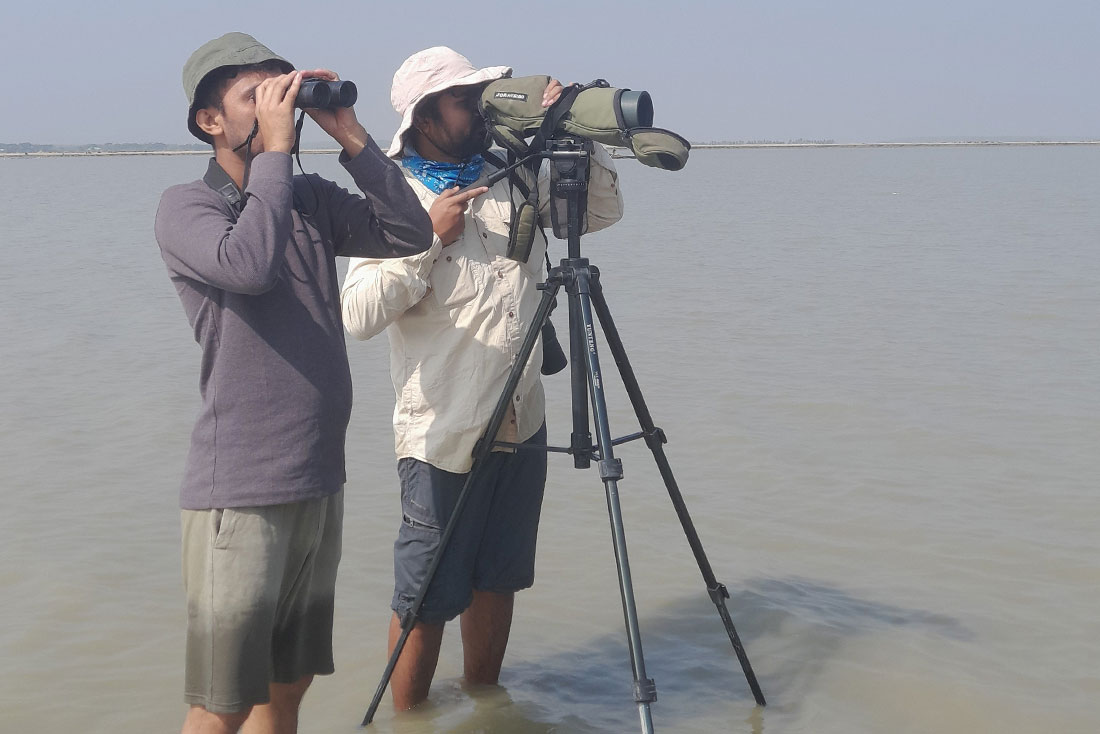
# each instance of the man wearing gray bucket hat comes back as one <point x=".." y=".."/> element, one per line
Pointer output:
<point x="251" y="251"/>
<point x="456" y="317"/>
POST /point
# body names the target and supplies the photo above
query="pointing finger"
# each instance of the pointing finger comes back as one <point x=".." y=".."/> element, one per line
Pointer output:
<point x="465" y="196"/>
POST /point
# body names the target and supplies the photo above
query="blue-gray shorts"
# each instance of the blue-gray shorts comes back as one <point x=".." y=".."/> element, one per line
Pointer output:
<point x="493" y="545"/>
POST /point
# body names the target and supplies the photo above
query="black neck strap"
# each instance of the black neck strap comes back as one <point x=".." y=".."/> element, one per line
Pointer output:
<point x="217" y="179"/>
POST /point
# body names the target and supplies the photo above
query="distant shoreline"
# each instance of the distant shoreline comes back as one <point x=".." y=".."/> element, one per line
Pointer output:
<point x="946" y="144"/>
<point x="695" y="146"/>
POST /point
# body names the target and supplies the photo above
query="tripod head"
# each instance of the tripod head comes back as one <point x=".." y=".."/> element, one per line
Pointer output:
<point x="570" y="166"/>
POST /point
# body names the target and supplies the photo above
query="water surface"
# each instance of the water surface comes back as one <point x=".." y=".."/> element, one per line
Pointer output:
<point x="878" y="370"/>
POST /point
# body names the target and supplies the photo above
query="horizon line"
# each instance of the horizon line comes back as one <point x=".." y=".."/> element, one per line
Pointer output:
<point x="697" y="146"/>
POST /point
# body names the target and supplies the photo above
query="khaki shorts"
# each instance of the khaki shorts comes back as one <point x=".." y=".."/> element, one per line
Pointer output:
<point x="260" y="583"/>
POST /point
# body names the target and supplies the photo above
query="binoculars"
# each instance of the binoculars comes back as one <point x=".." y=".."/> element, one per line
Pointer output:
<point x="323" y="93"/>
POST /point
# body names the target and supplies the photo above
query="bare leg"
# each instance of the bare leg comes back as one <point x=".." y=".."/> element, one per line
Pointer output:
<point x="280" y="716"/>
<point x="412" y="676"/>
<point x="201" y="721"/>
<point x="485" y="627"/>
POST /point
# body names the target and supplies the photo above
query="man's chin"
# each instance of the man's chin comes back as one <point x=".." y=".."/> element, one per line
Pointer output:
<point x="474" y="147"/>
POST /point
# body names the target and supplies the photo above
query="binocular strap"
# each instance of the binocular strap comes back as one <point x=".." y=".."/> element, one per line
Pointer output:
<point x="524" y="219"/>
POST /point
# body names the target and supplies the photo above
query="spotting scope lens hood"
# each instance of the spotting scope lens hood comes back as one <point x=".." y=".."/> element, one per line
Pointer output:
<point x="636" y="108"/>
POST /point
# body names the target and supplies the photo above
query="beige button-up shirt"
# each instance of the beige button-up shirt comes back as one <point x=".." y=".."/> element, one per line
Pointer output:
<point x="456" y="317"/>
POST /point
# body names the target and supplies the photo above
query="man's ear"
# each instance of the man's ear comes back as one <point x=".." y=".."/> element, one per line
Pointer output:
<point x="209" y="121"/>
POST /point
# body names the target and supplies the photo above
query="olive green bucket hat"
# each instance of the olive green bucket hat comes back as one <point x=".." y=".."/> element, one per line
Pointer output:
<point x="232" y="49"/>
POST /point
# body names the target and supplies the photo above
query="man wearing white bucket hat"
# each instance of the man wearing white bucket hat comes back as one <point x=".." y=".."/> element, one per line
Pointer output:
<point x="456" y="317"/>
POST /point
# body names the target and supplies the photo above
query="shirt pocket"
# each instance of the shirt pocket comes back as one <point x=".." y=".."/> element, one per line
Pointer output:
<point x="491" y="221"/>
<point x="452" y="280"/>
<point x="457" y="272"/>
<point x="494" y="227"/>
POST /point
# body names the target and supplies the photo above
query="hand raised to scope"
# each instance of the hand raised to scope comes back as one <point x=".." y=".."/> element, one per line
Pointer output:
<point x="275" y="110"/>
<point x="448" y="213"/>
<point x="552" y="92"/>
<point x="339" y="122"/>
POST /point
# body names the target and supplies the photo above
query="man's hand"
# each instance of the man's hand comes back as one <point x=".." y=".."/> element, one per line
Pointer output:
<point x="339" y="122"/>
<point x="551" y="93"/>
<point x="275" y="110"/>
<point x="448" y="213"/>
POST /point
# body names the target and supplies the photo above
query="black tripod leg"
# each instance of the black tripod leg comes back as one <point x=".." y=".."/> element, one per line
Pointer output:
<point x="655" y="439"/>
<point x="481" y="451"/>
<point x="645" y="691"/>
<point x="580" y="441"/>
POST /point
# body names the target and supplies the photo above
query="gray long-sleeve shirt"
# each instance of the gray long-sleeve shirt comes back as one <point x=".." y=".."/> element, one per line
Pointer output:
<point x="260" y="291"/>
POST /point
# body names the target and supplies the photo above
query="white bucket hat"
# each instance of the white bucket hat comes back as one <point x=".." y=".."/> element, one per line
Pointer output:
<point x="428" y="72"/>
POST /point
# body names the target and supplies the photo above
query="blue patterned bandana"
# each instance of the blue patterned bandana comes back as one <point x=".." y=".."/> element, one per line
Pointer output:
<point x="439" y="176"/>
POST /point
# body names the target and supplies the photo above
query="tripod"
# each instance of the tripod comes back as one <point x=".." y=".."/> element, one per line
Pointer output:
<point x="569" y="161"/>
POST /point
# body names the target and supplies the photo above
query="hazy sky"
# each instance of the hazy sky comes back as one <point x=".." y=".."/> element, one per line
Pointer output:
<point x="80" y="72"/>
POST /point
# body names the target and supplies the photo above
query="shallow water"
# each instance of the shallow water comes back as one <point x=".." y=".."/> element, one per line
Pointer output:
<point x="878" y="371"/>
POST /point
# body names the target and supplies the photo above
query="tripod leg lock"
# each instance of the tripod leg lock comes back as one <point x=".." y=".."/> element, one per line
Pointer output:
<point x="581" y="448"/>
<point x="718" y="593"/>
<point x="611" y="469"/>
<point x="645" y="691"/>
<point x="656" y="437"/>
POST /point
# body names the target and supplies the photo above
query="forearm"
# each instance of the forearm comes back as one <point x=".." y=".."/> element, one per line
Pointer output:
<point x="389" y="220"/>
<point x="200" y="240"/>
<point x="376" y="292"/>
<point x="352" y="140"/>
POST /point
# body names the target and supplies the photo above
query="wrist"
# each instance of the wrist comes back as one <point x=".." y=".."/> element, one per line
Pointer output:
<point x="352" y="140"/>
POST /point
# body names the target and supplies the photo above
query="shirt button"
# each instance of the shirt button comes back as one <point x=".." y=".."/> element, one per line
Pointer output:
<point x="511" y="314"/>
<point x="448" y="258"/>
<point x="500" y="274"/>
<point x="485" y="235"/>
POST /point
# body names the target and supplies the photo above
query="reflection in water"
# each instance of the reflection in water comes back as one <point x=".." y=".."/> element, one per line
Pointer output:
<point x="792" y="629"/>
<point x="842" y="610"/>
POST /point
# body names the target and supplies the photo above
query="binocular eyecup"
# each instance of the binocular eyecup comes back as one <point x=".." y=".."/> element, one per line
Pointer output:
<point x="322" y="93"/>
